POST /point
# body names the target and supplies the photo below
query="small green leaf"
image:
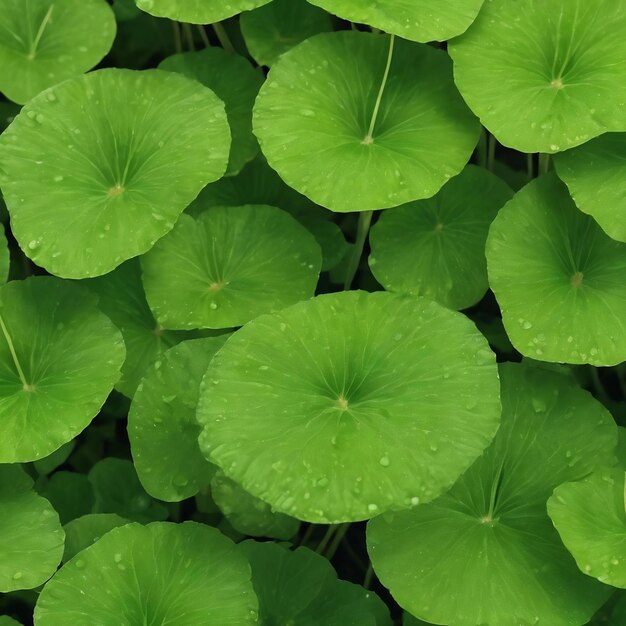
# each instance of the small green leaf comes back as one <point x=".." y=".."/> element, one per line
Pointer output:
<point x="187" y="574"/>
<point x="31" y="537"/>
<point x="100" y="167"/>
<point x="340" y="131"/>
<point x="59" y="359"/>
<point x="228" y="266"/>
<point x="83" y="531"/>
<point x="70" y="493"/>
<point x="44" y="42"/>
<point x="344" y="406"/>
<point x="486" y="552"/>
<point x="436" y="248"/>
<point x="559" y="279"/>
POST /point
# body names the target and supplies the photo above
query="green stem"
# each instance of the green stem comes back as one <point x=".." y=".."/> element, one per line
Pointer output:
<point x="178" y="41"/>
<point x="223" y="38"/>
<point x="189" y="36"/>
<point x="544" y="163"/>
<point x="481" y="149"/>
<point x="369" y="138"/>
<point x="328" y="535"/>
<point x="491" y="152"/>
<point x="365" y="220"/>
<point x="307" y="534"/>
<point x="39" y="35"/>
<point x="368" y="576"/>
<point x="337" y="539"/>
<point x="598" y="387"/>
<point x="18" y="367"/>
<point x="204" y="36"/>
<point x="530" y="166"/>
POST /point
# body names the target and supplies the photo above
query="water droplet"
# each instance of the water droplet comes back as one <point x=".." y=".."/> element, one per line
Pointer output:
<point x="384" y="461"/>
<point x="213" y="306"/>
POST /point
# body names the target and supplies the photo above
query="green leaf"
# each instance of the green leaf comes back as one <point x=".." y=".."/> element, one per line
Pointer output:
<point x="418" y="20"/>
<point x="301" y="588"/>
<point x="125" y="10"/>
<point x="347" y="405"/>
<point x="198" y="11"/>
<point x="436" y="248"/>
<point x="228" y="266"/>
<point x="279" y="26"/>
<point x="118" y="490"/>
<point x="4" y="255"/>
<point x="162" y="422"/>
<point x="59" y="359"/>
<point x="187" y="574"/>
<point x="545" y="76"/>
<point x="44" y="42"/>
<point x="317" y="121"/>
<point x="31" y="537"/>
<point x="49" y="463"/>
<point x="486" y="552"/>
<point x="559" y="279"/>
<point x="590" y="517"/>
<point x="5" y="620"/>
<point x="70" y="493"/>
<point x="100" y="167"/>
<point x="122" y="298"/>
<point x="594" y="174"/>
<point x="258" y="183"/>
<point x="84" y="531"/>
<point x="237" y="83"/>
<point x="249" y="515"/>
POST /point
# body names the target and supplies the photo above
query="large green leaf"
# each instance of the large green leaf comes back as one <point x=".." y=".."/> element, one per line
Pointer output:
<point x="419" y="20"/>
<point x="258" y="183"/>
<point x="83" y="531"/>
<point x="162" y="422"/>
<point x="185" y="575"/>
<point x="486" y="552"/>
<point x="247" y="514"/>
<point x="228" y="266"/>
<point x="350" y="404"/>
<point x="559" y="279"/>
<point x="590" y="516"/>
<point x="237" y="83"/>
<point x="31" y="537"/>
<point x="95" y="170"/>
<point x="59" y="359"/>
<point x="436" y="247"/>
<point x="271" y="30"/>
<point x="122" y="298"/>
<point x="198" y="11"/>
<point x="595" y="174"/>
<point x="319" y="125"/>
<point x="300" y="588"/>
<point x="545" y="75"/>
<point x="43" y="42"/>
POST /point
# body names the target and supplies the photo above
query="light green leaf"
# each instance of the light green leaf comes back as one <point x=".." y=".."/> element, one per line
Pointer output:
<point x="98" y="168"/>
<point x="486" y="552"/>
<point x="319" y="126"/>
<point x="198" y="11"/>
<point x="350" y="404"/>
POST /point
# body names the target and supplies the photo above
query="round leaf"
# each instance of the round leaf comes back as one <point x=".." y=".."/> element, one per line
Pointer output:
<point x="31" y="537"/>
<point x="486" y="552"/>
<point x="198" y="11"/>
<point x="59" y="359"/>
<point x="300" y="588"/>
<point x="545" y="76"/>
<point x="83" y="531"/>
<point x="595" y="175"/>
<point x="228" y="266"/>
<point x="162" y="422"/>
<point x="436" y="247"/>
<point x="234" y="81"/>
<point x="118" y="490"/>
<point x="559" y="279"/>
<point x="258" y="183"/>
<point x="419" y="20"/>
<point x="5" y="620"/>
<point x="279" y="26"/>
<point x="100" y="167"/>
<point x="350" y="404"/>
<point x="44" y="42"/>
<point x="249" y="515"/>
<point x="70" y="493"/>
<point x="314" y="113"/>
<point x="187" y="574"/>
<point x="590" y="516"/>
<point x="122" y="298"/>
